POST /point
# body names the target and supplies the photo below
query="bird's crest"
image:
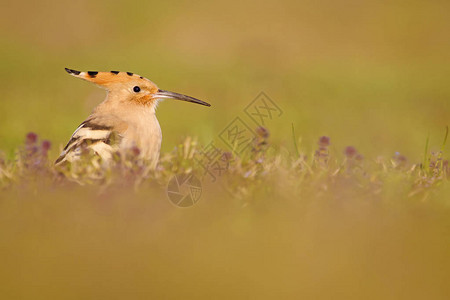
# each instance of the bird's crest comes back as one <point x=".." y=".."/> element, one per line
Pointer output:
<point x="106" y="78"/>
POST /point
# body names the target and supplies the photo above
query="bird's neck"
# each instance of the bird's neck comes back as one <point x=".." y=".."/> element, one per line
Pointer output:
<point x="144" y="132"/>
<point x="142" y="127"/>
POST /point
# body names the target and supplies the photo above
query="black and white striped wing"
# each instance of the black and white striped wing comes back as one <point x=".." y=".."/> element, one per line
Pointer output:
<point x="89" y="135"/>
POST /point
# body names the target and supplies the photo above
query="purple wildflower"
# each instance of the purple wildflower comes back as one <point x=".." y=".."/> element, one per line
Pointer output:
<point x="324" y="141"/>
<point x="350" y="152"/>
<point x="31" y="138"/>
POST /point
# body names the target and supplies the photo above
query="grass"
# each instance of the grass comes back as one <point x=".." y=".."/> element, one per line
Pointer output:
<point x="261" y="167"/>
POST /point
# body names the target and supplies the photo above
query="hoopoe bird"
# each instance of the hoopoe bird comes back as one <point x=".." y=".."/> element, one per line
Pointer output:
<point x="125" y="120"/>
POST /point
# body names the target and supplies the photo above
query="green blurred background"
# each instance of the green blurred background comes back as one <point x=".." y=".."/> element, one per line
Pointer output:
<point x="372" y="74"/>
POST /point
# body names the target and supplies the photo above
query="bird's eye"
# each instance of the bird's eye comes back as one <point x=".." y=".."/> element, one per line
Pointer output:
<point x="136" y="89"/>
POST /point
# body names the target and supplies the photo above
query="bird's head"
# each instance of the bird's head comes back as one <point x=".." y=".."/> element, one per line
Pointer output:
<point x="131" y="88"/>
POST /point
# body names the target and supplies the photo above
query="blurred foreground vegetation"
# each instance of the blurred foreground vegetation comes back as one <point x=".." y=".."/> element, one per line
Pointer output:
<point x="271" y="224"/>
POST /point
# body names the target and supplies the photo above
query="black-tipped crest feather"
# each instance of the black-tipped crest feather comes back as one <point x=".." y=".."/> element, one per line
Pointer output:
<point x="74" y="72"/>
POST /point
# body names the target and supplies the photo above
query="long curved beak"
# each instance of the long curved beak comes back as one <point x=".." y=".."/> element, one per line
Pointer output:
<point x="166" y="94"/>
